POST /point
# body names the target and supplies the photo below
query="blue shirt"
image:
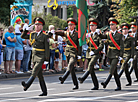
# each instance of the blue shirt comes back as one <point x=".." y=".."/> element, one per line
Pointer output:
<point x="0" y="48"/>
<point x="19" y="42"/>
<point x="9" y="43"/>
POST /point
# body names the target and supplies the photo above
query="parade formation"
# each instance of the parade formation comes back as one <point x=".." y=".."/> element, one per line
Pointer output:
<point x="122" y="47"/>
<point x="113" y="47"/>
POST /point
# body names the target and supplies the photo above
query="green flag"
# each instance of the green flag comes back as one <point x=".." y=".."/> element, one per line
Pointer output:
<point x="82" y="21"/>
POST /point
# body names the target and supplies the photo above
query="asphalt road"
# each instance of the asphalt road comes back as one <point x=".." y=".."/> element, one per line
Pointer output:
<point x="12" y="91"/>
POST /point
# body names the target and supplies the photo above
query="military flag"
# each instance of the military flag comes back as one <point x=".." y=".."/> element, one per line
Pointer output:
<point x="82" y="20"/>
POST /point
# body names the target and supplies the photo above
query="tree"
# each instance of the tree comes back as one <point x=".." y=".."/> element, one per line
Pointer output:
<point x="101" y="11"/>
<point x="5" y="11"/>
<point x="69" y="12"/>
<point x="50" y="20"/>
<point x="128" y="8"/>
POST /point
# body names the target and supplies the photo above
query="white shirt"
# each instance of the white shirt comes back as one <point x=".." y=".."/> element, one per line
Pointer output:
<point x="113" y="32"/>
<point x="125" y="36"/>
<point x="38" y="32"/>
<point x="93" y="33"/>
<point x="17" y="26"/>
<point x="60" y="39"/>
<point x="25" y="26"/>
<point x="72" y="31"/>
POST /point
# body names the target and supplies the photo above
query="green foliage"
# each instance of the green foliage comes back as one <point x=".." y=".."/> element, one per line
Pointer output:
<point x="69" y="12"/>
<point x="51" y="20"/>
<point x="5" y="11"/>
<point x="101" y="11"/>
<point x="128" y="8"/>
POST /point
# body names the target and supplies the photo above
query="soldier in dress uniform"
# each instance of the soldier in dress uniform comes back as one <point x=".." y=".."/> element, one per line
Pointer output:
<point x="129" y="44"/>
<point x="40" y="53"/>
<point x="95" y="44"/>
<point x="134" y="65"/>
<point x="71" y="51"/>
<point x="115" y="51"/>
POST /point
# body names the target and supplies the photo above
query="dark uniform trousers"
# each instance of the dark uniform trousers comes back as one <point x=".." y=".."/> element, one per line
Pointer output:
<point x="71" y="62"/>
<point x="124" y="67"/>
<point x="134" y="66"/>
<point x="91" y="63"/>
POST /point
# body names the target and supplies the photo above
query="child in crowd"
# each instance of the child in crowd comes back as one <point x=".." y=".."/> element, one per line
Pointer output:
<point x="57" y="56"/>
<point x="64" y="62"/>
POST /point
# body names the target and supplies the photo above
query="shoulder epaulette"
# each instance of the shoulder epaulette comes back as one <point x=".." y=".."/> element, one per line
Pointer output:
<point x="44" y="33"/>
<point x="119" y="32"/>
<point x="131" y="36"/>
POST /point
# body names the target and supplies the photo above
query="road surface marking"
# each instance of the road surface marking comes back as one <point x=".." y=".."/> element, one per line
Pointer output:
<point x="86" y="98"/>
<point x="133" y="101"/>
<point x="15" y="99"/>
<point x="6" y="88"/>
<point x="22" y="92"/>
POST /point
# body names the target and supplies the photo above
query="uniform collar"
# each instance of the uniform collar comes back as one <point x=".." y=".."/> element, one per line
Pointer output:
<point x="72" y="32"/>
<point x="126" y="36"/>
<point x="114" y="32"/>
<point x="93" y="33"/>
<point x="38" y="32"/>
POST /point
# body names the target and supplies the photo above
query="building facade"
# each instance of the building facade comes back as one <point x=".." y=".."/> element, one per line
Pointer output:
<point x="61" y="10"/>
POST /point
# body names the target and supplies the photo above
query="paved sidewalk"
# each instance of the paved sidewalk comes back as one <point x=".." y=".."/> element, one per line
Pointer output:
<point x="3" y="75"/>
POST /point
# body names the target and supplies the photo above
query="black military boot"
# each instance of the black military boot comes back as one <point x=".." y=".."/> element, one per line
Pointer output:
<point x="75" y="87"/>
<point x="120" y="73"/>
<point x="117" y="82"/>
<point x="43" y="88"/>
<point x="136" y="74"/>
<point x="28" y="83"/>
<point x="104" y="84"/>
<point x="74" y="79"/>
<point x="128" y="79"/>
<point x="84" y="76"/>
<point x="95" y="81"/>
<point x="64" y="77"/>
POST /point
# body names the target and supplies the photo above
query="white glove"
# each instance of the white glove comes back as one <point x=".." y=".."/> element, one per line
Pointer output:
<point x="88" y="35"/>
<point x="31" y="27"/>
<point x="79" y="57"/>
<point x="98" y="31"/>
<point x="91" y="53"/>
<point x="120" y="58"/>
<point x="130" y="60"/>
<point x="45" y="62"/>
<point x="53" y="31"/>
<point x="137" y="47"/>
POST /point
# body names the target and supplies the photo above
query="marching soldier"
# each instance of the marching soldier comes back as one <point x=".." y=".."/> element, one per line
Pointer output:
<point x="71" y="51"/>
<point x="40" y="53"/>
<point x="134" y="65"/>
<point x="95" y="44"/>
<point x="129" y="44"/>
<point x="115" y="51"/>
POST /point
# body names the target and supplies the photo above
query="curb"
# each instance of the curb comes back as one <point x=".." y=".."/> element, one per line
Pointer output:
<point x="6" y="76"/>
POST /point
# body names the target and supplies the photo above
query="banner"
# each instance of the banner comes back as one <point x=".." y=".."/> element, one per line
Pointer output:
<point x="21" y="10"/>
